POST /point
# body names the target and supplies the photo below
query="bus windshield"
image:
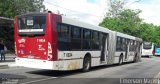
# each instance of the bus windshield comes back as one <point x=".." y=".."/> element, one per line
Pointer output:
<point x="147" y="45"/>
<point x="32" y="24"/>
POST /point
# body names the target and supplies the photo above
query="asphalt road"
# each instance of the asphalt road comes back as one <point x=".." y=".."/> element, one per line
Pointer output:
<point x="127" y="73"/>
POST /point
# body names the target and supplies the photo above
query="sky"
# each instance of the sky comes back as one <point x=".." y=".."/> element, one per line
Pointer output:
<point x="93" y="11"/>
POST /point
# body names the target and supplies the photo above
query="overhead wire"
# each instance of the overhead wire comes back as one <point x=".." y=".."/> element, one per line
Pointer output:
<point x="70" y="9"/>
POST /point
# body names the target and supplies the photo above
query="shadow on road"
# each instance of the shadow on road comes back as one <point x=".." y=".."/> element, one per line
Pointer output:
<point x="54" y="73"/>
<point x="7" y="61"/>
<point x="148" y="56"/>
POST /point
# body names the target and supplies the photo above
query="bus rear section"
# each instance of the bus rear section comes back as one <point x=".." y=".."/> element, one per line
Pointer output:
<point x="34" y="41"/>
<point x="147" y="49"/>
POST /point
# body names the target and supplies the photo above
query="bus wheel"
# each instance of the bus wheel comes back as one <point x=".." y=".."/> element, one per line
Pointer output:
<point x="120" y="59"/>
<point x="86" y="64"/>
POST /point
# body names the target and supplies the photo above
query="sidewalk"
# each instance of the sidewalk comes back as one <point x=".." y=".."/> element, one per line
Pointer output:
<point x="10" y="61"/>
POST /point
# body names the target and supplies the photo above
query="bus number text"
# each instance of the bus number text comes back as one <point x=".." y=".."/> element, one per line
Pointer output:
<point x="68" y="54"/>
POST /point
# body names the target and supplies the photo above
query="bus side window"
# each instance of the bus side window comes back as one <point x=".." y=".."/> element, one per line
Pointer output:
<point x="100" y="39"/>
<point x="86" y="39"/>
<point x="75" y="37"/>
<point x="118" y="44"/>
<point x="131" y="46"/>
<point x="63" y="31"/>
<point x="63" y="37"/>
<point x="123" y="44"/>
<point x="95" y="40"/>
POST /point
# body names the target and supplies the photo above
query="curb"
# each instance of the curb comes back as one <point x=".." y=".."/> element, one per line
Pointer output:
<point x="5" y="66"/>
<point x="12" y="65"/>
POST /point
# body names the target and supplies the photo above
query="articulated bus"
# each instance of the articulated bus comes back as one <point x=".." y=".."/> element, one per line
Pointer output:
<point x="147" y="49"/>
<point x="55" y="42"/>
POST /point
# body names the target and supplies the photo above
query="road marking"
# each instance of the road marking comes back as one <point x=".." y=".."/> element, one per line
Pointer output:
<point x="39" y="80"/>
<point x="156" y="77"/>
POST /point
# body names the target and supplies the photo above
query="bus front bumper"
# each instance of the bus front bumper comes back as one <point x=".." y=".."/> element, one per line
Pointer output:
<point x="50" y="65"/>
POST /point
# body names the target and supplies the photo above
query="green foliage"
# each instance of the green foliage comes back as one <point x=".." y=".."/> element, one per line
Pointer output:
<point x="128" y="21"/>
<point x="11" y="8"/>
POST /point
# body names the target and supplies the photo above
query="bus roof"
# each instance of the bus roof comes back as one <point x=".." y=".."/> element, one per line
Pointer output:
<point x="128" y="36"/>
<point x="84" y="25"/>
<point x="4" y="21"/>
<point x="75" y="22"/>
<point x="93" y="27"/>
<point x="5" y="18"/>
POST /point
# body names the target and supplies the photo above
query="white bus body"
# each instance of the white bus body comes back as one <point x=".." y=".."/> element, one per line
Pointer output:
<point x="147" y="49"/>
<point x="110" y="47"/>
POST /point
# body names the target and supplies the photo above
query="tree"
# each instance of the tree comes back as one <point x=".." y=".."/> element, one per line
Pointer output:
<point x="10" y="8"/>
<point x="120" y="19"/>
<point x="127" y="21"/>
<point x="156" y="35"/>
<point x="116" y="6"/>
<point x="150" y="33"/>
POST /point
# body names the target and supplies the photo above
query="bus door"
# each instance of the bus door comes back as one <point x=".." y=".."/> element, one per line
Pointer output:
<point x="127" y="49"/>
<point x="138" y="50"/>
<point x="104" y="50"/>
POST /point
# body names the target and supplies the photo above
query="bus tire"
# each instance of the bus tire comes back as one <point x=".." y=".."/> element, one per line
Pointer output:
<point x="120" y="59"/>
<point x="86" y="64"/>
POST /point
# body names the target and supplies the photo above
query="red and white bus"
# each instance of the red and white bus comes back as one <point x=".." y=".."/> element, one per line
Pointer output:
<point x="55" y="42"/>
